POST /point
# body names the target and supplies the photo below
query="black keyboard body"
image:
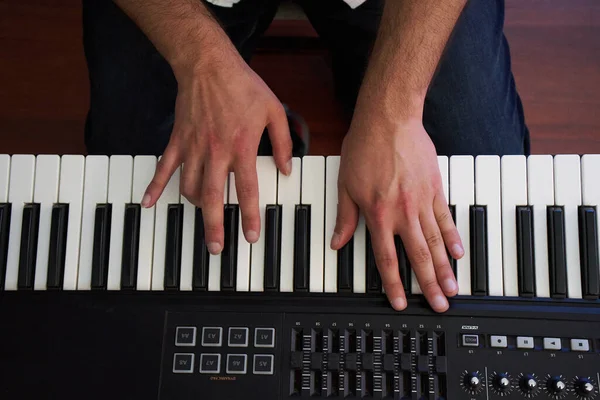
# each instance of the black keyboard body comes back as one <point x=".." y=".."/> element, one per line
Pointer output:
<point x="122" y="345"/>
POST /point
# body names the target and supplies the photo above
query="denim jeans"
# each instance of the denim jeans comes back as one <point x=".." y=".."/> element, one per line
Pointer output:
<point x="472" y="106"/>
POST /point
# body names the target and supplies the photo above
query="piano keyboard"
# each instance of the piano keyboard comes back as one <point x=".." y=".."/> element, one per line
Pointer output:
<point x="74" y="223"/>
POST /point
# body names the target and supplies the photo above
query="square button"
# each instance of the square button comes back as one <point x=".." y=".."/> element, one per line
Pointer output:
<point x="552" y="344"/>
<point x="212" y="336"/>
<point x="210" y="363"/>
<point x="183" y="363"/>
<point x="236" y="363"/>
<point x="470" y="340"/>
<point x="264" y="337"/>
<point x="580" y="345"/>
<point x="185" y="336"/>
<point x="238" y="337"/>
<point x="498" y="341"/>
<point x="263" y="364"/>
<point x="524" y="342"/>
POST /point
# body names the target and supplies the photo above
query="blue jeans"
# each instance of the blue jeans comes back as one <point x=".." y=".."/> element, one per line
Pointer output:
<point x="472" y="106"/>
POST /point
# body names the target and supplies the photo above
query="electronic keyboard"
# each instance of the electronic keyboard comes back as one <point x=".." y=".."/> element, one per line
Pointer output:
<point x="102" y="298"/>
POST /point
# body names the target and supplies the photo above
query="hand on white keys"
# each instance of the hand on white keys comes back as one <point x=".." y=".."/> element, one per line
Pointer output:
<point x="221" y="112"/>
<point x="391" y="174"/>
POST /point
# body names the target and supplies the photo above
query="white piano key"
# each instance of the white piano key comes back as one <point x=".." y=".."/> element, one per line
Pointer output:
<point x="187" y="244"/>
<point x="540" y="194"/>
<point x="120" y="183"/>
<point x="462" y="195"/>
<point x="70" y="191"/>
<point x="20" y="191"/>
<point x="95" y="191"/>
<point x="45" y="194"/>
<point x="242" y="277"/>
<point x="360" y="256"/>
<point x="267" y="194"/>
<point x="143" y="172"/>
<point x="170" y="195"/>
<point x="4" y="177"/>
<point x="214" y="261"/>
<point x="590" y="166"/>
<point x="313" y="194"/>
<point x="487" y="193"/>
<point x="443" y="166"/>
<point x="567" y="193"/>
<point x="288" y="196"/>
<point x="514" y="193"/>
<point x="332" y="169"/>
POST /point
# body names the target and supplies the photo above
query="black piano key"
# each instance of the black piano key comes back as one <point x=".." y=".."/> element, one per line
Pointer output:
<point x="479" y="257"/>
<point x="272" y="247"/>
<point x="57" y="251"/>
<point x="557" y="252"/>
<point x="453" y="263"/>
<point x="131" y="245"/>
<point x="229" y="253"/>
<point x="373" y="277"/>
<point x="345" y="267"/>
<point x="5" y="209"/>
<point x="403" y="265"/>
<point x="525" y="251"/>
<point x="588" y="248"/>
<point x="302" y="248"/>
<point x="29" y="240"/>
<point x="173" y="246"/>
<point x="201" y="254"/>
<point x="102" y="225"/>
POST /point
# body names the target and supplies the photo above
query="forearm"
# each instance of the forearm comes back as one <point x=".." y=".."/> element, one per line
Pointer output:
<point x="183" y="31"/>
<point x="410" y="43"/>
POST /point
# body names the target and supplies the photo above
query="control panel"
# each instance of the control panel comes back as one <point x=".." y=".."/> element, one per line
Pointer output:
<point x="271" y="355"/>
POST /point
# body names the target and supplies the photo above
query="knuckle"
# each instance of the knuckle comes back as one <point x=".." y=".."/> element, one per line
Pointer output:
<point x="386" y="261"/>
<point x="434" y="240"/>
<point x="422" y="256"/>
<point x="246" y="190"/>
<point x="378" y="212"/>
<point x="429" y="285"/>
<point x="211" y="196"/>
<point x="444" y="218"/>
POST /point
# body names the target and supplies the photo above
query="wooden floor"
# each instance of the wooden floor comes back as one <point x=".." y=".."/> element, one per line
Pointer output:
<point x="44" y="88"/>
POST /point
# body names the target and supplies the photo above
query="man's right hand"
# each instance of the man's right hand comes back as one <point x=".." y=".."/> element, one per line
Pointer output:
<point x="221" y="112"/>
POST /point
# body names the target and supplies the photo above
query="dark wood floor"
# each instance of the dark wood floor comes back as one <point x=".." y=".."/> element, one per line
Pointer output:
<point x="44" y="89"/>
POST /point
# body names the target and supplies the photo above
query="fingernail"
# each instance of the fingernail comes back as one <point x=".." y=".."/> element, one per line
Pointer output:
<point x="335" y="240"/>
<point x="449" y="285"/>
<point x="399" y="304"/>
<point x="146" y="200"/>
<point x="457" y="250"/>
<point x="252" y="236"/>
<point x="439" y="302"/>
<point x="288" y="167"/>
<point x="214" y="248"/>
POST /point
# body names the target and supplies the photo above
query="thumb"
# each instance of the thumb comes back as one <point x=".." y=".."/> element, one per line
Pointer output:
<point x="347" y="219"/>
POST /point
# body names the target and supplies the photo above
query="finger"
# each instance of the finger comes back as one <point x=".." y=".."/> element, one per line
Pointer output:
<point x="165" y="168"/>
<point x="281" y="140"/>
<point x="441" y="263"/>
<point x="191" y="180"/>
<point x="213" y="189"/>
<point x="447" y="227"/>
<point x="384" y="249"/>
<point x="421" y="262"/>
<point x="347" y="219"/>
<point x="246" y="184"/>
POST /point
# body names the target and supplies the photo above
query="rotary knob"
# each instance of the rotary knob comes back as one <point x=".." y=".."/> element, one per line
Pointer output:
<point x="471" y="382"/>
<point x="501" y="383"/>
<point x="556" y="387"/>
<point x="528" y="384"/>
<point x="584" y="388"/>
